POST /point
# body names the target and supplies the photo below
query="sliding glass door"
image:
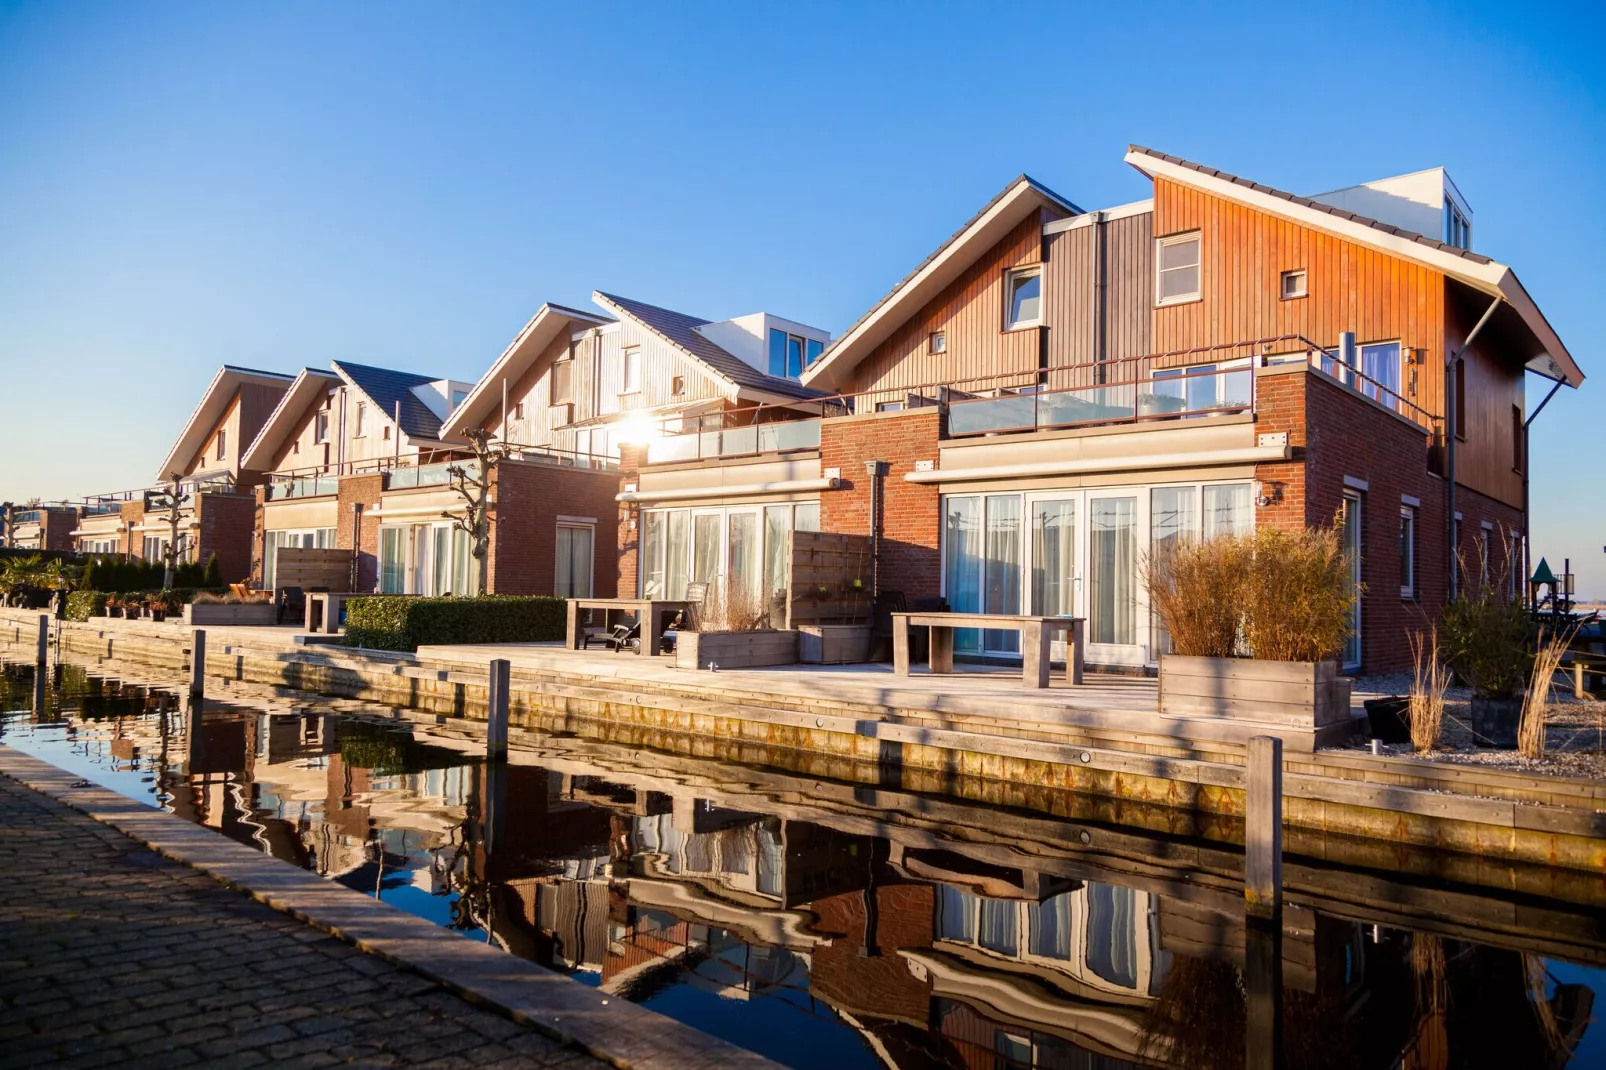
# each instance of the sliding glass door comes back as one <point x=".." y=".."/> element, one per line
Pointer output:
<point x="1112" y="564"/>
<point x="983" y="566"/>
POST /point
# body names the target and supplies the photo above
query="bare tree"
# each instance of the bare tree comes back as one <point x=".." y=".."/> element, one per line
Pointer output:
<point x="169" y="503"/>
<point x="473" y="482"/>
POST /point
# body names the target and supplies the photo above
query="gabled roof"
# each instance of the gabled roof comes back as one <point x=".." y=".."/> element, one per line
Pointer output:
<point x="214" y="403"/>
<point x="549" y="323"/>
<point x="309" y="384"/>
<point x="946" y="263"/>
<point x="387" y="388"/>
<point x="678" y="329"/>
<point x="1490" y="277"/>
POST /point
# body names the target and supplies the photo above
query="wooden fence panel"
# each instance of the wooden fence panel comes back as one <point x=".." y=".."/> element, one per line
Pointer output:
<point x="828" y="579"/>
<point x="308" y="568"/>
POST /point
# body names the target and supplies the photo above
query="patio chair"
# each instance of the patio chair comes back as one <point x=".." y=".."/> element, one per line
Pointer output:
<point x="242" y="591"/>
<point x="292" y="601"/>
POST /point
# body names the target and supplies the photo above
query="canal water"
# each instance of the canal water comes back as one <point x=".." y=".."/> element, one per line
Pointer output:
<point x="833" y="925"/>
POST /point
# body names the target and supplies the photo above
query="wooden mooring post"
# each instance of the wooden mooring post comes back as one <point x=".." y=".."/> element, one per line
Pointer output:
<point x="198" y="663"/>
<point x="1263" y="828"/>
<point x="496" y="714"/>
<point x="44" y="639"/>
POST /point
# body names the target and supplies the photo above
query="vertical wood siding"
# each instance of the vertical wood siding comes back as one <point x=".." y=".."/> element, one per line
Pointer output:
<point x="1071" y="294"/>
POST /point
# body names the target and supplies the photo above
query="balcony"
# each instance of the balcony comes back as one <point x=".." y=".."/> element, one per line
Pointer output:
<point x="1206" y="392"/>
<point x="428" y="475"/>
<point x="102" y="508"/>
<point x="25" y="516"/>
<point x="778" y="437"/>
<point x="302" y="487"/>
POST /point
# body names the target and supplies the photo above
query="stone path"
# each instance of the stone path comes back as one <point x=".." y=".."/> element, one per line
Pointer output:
<point x="111" y="955"/>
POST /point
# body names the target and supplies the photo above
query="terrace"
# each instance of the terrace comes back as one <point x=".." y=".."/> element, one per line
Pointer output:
<point x="409" y="473"/>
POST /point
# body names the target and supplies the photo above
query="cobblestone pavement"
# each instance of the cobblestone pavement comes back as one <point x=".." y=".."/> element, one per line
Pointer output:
<point x="111" y="955"/>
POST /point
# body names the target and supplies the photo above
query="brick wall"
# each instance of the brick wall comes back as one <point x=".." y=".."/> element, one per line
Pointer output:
<point x="628" y="521"/>
<point x="530" y="497"/>
<point x="910" y="513"/>
<point x="228" y="529"/>
<point x="130" y="541"/>
<point x="353" y="491"/>
<point x="880" y="985"/>
<point x="1337" y="435"/>
<point x="56" y="529"/>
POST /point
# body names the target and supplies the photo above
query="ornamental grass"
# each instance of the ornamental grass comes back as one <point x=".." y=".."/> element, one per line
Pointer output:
<point x="1196" y="588"/>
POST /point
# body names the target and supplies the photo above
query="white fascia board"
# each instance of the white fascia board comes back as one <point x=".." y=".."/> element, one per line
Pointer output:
<point x="1101" y="215"/>
<point x="542" y="329"/>
<point x="1088" y="465"/>
<point x="1494" y="278"/>
<point x="875" y="328"/>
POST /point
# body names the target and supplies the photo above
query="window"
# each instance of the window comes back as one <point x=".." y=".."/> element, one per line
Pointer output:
<point x="362" y="419"/>
<point x="574" y="560"/>
<point x="1350" y="526"/>
<point x="1407" y="552"/>
<point x="458" y="397"/>
<point x="1202" y="388"/>
<point x="518" y="410"/>
<point x="562" y="382"/>
<point x="787" y="352"/>
<point x="889" y="406"/>
<point x="632" y="378"/>
<point x="222" y="444"/>
<point x="1380" y="368"/>
<point x="1176" y="263"/>
<point x="1516" y="438"/>
<point x="385" y="433"/>
<point x="320" y="427"/>
<point x="939" y="342"/>
<point x="295" y="447"/>
<point x="1293" y="284"/>
<point x="1483" y="557"/>
<point x="1457" y="231"/>
<point x="1461" y="400"/>
<point x="1023" y="299"/>
<point x="677" y="386"/>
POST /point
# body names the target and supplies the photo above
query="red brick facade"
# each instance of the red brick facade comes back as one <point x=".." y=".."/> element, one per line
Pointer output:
<point x="227" y="529"/>
<point x="530" y="497"/>
<point x="911" y="515"/>
<point x="361" y="490"/>
<point x="628" y="522"/>
<point x="56" y="528"/>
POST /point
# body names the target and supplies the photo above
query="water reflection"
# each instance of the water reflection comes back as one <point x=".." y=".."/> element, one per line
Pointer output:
<point x="815" y="932"/>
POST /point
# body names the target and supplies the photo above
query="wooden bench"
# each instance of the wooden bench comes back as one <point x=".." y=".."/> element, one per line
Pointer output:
<point x="1036" y="635"/>
<point x="323" y="610"/>
<point x="650" y="611"/>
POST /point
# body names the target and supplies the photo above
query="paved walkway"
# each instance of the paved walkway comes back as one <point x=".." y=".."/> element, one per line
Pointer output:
<point x="111" y="955"/>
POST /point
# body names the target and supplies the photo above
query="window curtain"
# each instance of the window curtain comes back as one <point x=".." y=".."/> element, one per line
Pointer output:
<point x="777" y="551"/>
<point x="652" y="555"/>
<point x="1112" y="947"/>
<point x="677" y="553"/>
<point x="963" y="563"/>
<point x="1003" y="567"/>
<point x="997" y="927"/>
<point x="1381" y="366"/>
<point x="1050" y="927"/>
<point x="706" y="548"/>
<point x="1173" y="517"/>
<point x="1053" y="558"/>
<point x="1112" y="542"/>
<point x="1228" y="510"/>
<point x="956" y="915"/>
<point x="392" y="563"/>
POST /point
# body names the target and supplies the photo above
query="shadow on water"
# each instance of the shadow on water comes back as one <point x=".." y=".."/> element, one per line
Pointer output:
<point x="834" y="925"/>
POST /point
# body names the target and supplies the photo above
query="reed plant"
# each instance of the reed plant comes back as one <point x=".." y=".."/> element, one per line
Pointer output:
<point x="730" y="607"/>
<point x="1196" y="589"/>
<point x="1432" y="679"/>
<point x="1531" y="729"/>
<point x="1298" y="597"/>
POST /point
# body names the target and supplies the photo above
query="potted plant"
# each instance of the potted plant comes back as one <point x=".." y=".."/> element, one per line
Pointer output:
<point x="732" y="630"/>
<point x="1256" y="625"/>
<point x="1486" y="645"/>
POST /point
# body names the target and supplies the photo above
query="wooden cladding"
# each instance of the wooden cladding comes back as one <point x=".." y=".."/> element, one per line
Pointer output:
<point x="1098" y="287"/>
<point x="970" y="312"/>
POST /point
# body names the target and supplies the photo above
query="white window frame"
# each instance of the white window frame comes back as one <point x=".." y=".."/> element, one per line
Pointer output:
<point x="1160" y="244"/>
<point x="632" y="369"/>
<point x="362" y="419"/>
<point x="591" y="564"/>
<point x="1304" y="284"/>
<point x="567" y="367"/>
<point x="320" y="426"/>
<point x="1012" y="279"/>
<point x="222" y="442"/>
<point x="937" y="342"/>
<point x="1408" y="569"/>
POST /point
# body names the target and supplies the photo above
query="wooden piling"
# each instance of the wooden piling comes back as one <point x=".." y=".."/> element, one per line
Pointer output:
<point x="497" y="710"/>
<point x="44" y="639"/>
<point x="1263" y="827"/>
<point x="1263" y="994"/>
<point x="198" y="663"/>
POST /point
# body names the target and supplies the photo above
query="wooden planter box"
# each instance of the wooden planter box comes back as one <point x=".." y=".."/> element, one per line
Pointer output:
<point x="223" y="614"/>
<point x="833" y="644"/>
<point x="1301" y="694"/>
<point x="735" y="650"/>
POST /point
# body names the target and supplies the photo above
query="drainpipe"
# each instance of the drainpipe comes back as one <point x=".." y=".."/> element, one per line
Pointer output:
<point x="1526" y="467"/>
<point x="340" y="449"/>
<point x="395" y="435"/>
<point x="504" y="410"/>
<point x="1451" y="416"/>
<point x="1101" y="371"/>
<point x="356" y="547"/>
<point x="874" y="469"/>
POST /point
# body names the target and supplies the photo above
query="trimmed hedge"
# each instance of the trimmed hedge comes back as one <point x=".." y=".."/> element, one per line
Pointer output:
<point x="81" y="605"/>
<point x="406" y="622"/>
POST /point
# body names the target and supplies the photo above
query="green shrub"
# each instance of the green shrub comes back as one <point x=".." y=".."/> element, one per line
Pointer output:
<point x="81" y="605"/>
<point x="212" y="575"/>
<point x="1486" y="642"/>
<point x="398" y="622"/>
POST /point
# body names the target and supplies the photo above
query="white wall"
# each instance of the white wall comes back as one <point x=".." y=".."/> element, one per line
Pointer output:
<point x="1414" y="202"/>
<point x="747" y="337"/>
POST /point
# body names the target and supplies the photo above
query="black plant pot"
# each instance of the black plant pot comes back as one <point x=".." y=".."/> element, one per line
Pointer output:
<point x="1390" y="719"/>
<point x="1494" y="721"/>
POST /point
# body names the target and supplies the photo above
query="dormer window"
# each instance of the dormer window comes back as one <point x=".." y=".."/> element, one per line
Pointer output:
<point x="1023" y="299"/>
<point x="791" y="353"/>
<point x="458" y="397"/>
<point x="1457" y="230"/>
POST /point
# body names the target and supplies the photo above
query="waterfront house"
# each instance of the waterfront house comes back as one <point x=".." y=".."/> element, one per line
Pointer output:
<point x="217" y="506"/>
<point x="345" y="446"/>
<point x="574" y="387"/>
<point x="1054" y="392"/>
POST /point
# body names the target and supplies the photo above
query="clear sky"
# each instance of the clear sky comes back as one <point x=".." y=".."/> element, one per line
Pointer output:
<point x="277" y="185"/>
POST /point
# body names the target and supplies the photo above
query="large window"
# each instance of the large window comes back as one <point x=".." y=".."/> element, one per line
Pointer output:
<point x="1112" y="567"/>
<point x="1351" y="531"/>
<point x="575" y="560"/>
<point x="983" y="549"/>
<point x="1380" y="369"/>
<point x="429" y="559"/>
<point x="748" y="546"/>
<point x="1176" y="263"/>
<point x="1407" y="552"/>
<point x="1023" y="298"/>
<point x="791" y="353"/>
<point x="1204" y="388"/>
<point x="304" y="538"/>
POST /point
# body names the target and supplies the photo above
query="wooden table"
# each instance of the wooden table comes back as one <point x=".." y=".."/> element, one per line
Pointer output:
<point x="1036" y="635"/>
<point x="649" y="611"/>
<point x="323" y="610"/>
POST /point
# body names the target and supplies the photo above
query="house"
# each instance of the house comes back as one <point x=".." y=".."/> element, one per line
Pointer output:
<point x="573" y="387"/>
<point x="39" y="526"/>
<point x="350" y="444"/>
<point x="1054" y="393"/>
<point x="215" y="511"/>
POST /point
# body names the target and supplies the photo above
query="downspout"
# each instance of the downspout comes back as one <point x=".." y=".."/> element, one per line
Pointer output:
<point x="1526" y="468"/>
<point x="873" y="469"/>
<point x="1100" y="298"/>
<point x="340" y="449"/>
<point x="396" y="436"/>
<point x="504" y="410"/>
<point x="1451" y="419"/>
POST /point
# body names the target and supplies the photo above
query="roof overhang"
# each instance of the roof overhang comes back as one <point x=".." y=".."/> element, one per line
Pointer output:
<point x="1005" y="212"/>
<point x="549" y="323"/>
<point x="214" y="403"/>
<point x="1492" y="278"/>
<point x="258" y="456"/>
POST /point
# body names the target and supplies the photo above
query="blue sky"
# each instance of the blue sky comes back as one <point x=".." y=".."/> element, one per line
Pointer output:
<point x="186" y="185"/>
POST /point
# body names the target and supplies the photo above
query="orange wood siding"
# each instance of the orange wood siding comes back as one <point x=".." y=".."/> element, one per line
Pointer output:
<point x="971" y="311"/>
<point x="1071" y="294"/>
<point x="1484" y="459"/>
<point x="1351" y="287"/>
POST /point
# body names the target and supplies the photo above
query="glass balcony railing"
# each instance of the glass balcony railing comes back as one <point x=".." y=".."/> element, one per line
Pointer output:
<point x="25" y="516"/>
<point x="776" y="437"/>
<point x="428" y="475"/>
<point x="307" y="487"/>
<point x="1177" y="396"/>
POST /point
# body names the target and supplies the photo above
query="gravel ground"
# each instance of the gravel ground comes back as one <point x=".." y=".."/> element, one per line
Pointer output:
<point x="1575" y="739"/>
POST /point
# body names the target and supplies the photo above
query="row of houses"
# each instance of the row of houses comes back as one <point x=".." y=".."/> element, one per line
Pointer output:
<point x="1049" y="396"/>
